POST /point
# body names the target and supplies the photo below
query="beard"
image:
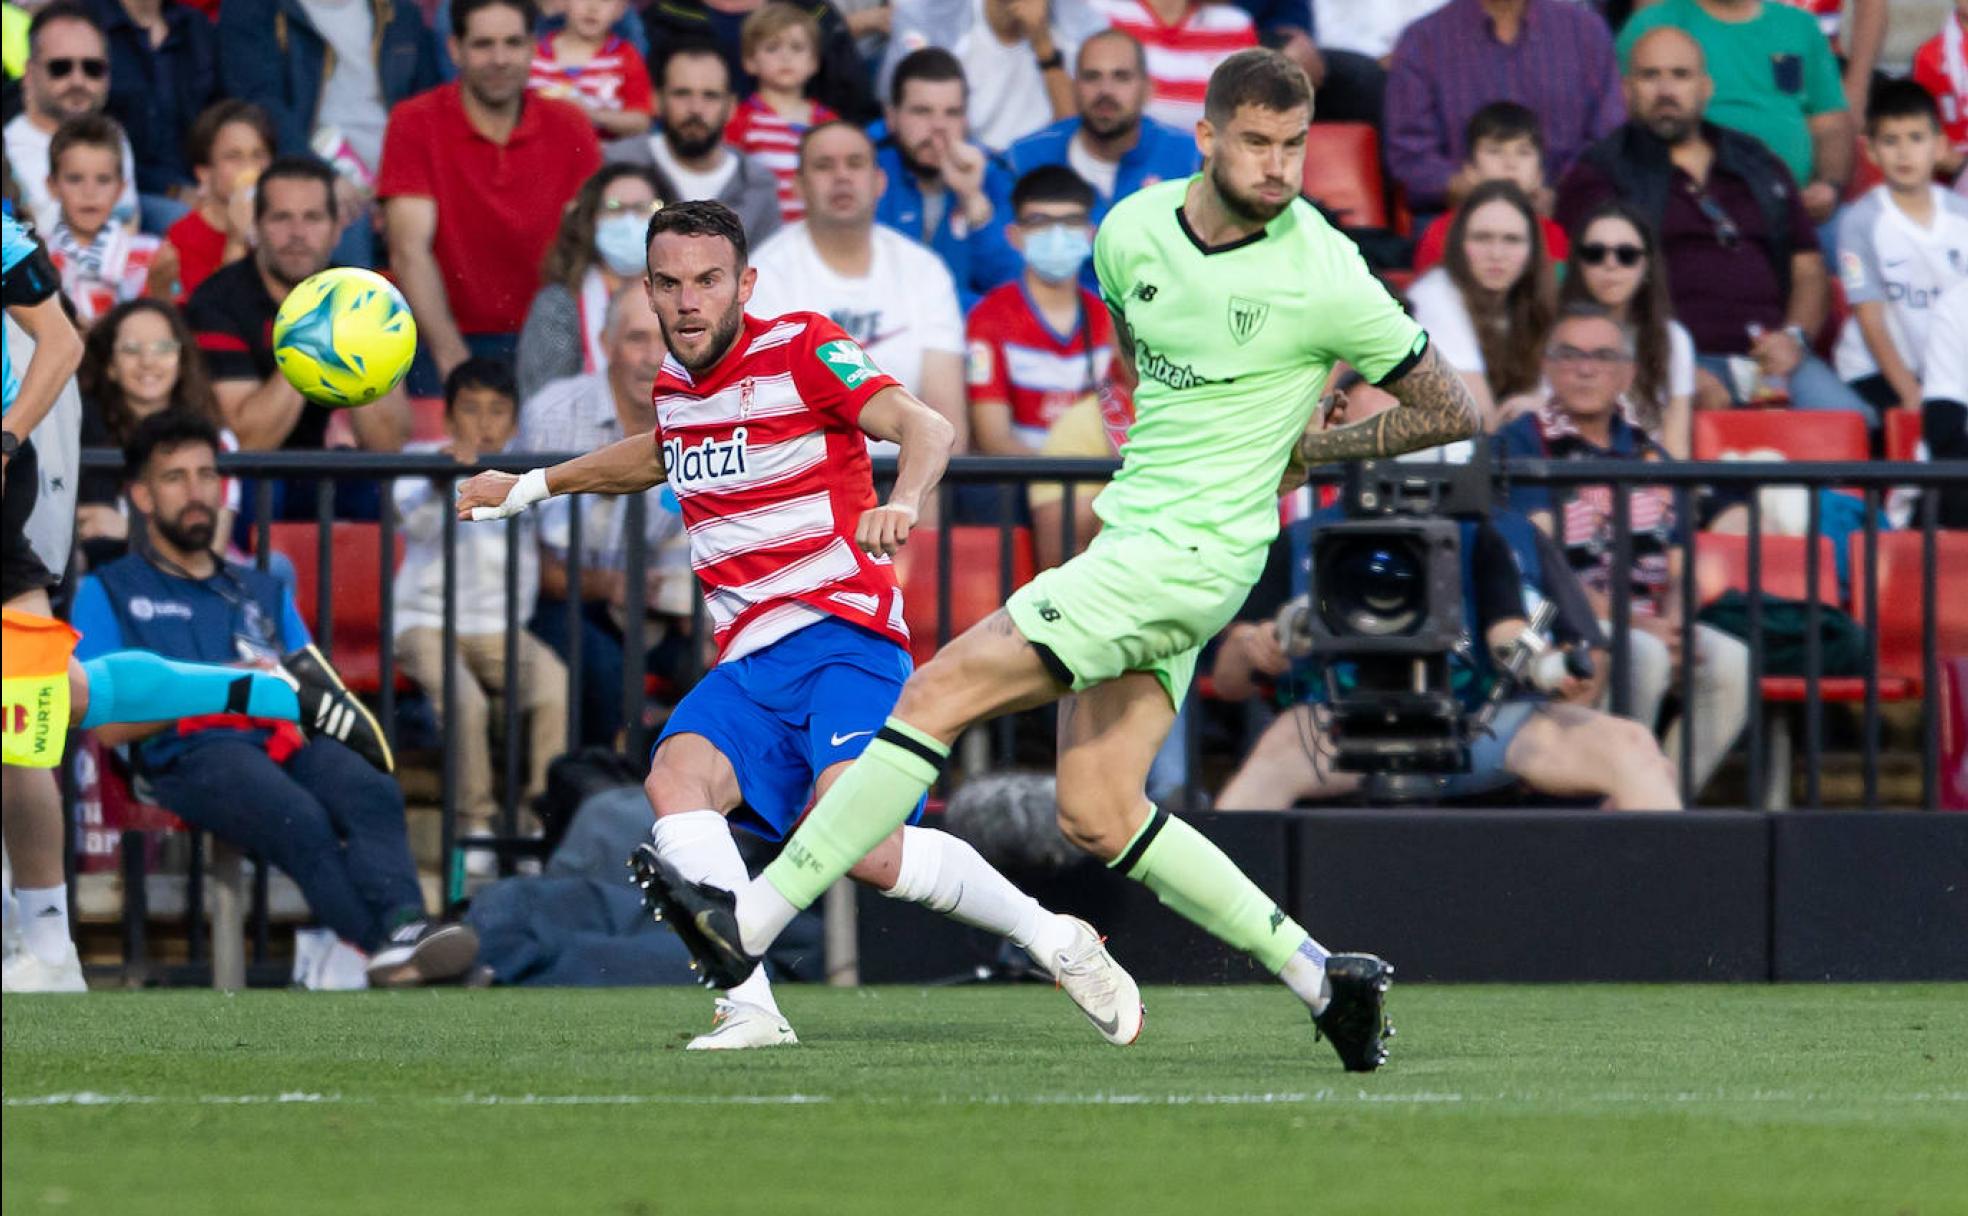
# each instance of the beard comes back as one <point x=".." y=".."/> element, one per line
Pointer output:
<point x="722" y="334"/>
<point x="1673" y="128"/>
<point x="1248" y="208"/>
<point x="192" y="531"/>
<point x="916" y="168"/>
<point x="1110" y="128"/>
<point x="691" y="147"/>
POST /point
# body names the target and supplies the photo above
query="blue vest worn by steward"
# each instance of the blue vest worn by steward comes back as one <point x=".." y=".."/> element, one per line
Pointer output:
<point x="237" y="614"/>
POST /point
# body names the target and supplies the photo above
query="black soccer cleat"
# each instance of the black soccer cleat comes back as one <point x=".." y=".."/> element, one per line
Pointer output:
<point x="705" y="919"/>
<point x="329" y="710"/>
<point x="1355" y="1018"/>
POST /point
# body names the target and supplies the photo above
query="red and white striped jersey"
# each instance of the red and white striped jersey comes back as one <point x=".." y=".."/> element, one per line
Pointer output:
<point x="756" y="129"/>
<point x="768" y="461"/>
<point x="1830" y="15"/>
<point x="1181" y="56"/>
<point x="614" y="79"/>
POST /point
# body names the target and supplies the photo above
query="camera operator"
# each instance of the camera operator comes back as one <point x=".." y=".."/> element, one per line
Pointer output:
<point x="1538" y="735"/>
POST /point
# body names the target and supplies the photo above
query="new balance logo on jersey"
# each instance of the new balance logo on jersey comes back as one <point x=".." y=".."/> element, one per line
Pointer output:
<point x="1145" y="292"/>
<point x="709" y="461"/>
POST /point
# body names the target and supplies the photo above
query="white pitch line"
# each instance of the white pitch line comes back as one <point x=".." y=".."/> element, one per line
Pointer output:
<point x="1423" y="1098"/>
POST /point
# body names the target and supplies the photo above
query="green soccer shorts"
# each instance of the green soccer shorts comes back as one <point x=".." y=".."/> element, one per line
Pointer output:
<point x="1134" y="601"/>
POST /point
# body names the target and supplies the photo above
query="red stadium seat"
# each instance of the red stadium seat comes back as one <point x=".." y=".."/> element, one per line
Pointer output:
<point x="1342" y="171"/>
<point x="1783" y="564"/>
<point x="1902" y="433"/>
<point x="1900" y="573"/>
<point x="427" y="418"/>
<point x="1798" y="434"/>
<point x="976" y="590"/>
<point x="357" y="601"/>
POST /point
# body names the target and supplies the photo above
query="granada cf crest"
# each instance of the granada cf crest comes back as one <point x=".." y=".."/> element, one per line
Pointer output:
<point x="1246" y="318"/>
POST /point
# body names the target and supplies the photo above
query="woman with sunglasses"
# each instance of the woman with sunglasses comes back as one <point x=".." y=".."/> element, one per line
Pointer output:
<point x="599" y="249"/>
<point x="1488" y="305"/>
<point x="139" y="360"/>
<point x="1616" y="263"/>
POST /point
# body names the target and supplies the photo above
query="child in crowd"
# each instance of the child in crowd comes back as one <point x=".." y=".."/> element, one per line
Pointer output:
<point x="583" y="62"/>
<point x="780" y="46"/>
<point x="102" y="263"/>
<point x="481" y="412"/>
<point x="1941" y="67"/>
<point x="1503" y="142"/>
<point x="230" y="144"/>
<point x="1899" y="248"/>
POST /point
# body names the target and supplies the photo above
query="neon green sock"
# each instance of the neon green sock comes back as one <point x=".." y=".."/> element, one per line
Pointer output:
<point x="1193" y="878"/>
<point x="873" y="797"/>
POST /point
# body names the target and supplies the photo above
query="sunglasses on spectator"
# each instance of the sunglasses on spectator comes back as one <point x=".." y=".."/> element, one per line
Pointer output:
<point x="1596" y="253"/>
<point x="159" y="348"/>
<point x="615" y="206"/>
<point x="94" y="69"/>
<point x="1604" y="356"/>
<point x="1726" y="231"/>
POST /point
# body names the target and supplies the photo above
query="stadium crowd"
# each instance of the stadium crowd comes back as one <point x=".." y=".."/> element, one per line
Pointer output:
<point x="1611" y="223"/>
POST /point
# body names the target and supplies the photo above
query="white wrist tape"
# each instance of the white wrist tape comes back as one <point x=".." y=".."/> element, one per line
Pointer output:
<point x="529" y="489"/>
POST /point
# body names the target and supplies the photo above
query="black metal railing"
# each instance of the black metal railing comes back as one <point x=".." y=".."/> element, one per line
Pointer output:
<point x="960" y="499"/>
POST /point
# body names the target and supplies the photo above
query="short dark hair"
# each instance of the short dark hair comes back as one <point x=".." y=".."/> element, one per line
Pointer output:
<point x="820" y="128"/>
<point x="1900" y="99"/>
<point x="166" y="431"/>
<point x="1255" y="77"/>
<point x="704" y="217"/>
<point x="462" y="10"/>
<point x="87" y="131"/>
<point x="61" y="10"/>
<point x="932" y="64"/>
<point x="1503" y="120"/>
<point x="294" y="168"/>
<point x="1051" y="184"/>
<point x="220" y="115"/>
<point x="494" y="375"/>
<point x="697" y="47"/>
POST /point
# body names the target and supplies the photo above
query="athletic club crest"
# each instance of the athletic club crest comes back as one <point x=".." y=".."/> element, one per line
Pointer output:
<point x="1246" y="318"/>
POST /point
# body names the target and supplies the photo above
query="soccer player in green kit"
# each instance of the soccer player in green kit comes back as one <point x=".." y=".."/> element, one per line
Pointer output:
<point x="1232" y="299"/>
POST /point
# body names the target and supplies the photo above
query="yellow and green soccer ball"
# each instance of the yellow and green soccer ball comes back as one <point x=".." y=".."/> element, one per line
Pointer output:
<point x="344" y="337"/>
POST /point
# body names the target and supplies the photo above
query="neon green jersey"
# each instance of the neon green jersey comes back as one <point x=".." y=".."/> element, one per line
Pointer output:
<point x="1232" y="347"/>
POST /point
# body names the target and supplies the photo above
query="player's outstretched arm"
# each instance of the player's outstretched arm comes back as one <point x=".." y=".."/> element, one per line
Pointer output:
<point x="628" y="466"/>
<point x="1436" y="408"/>
<point x="926" y="439"/>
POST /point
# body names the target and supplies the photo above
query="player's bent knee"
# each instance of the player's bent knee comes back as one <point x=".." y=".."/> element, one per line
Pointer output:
<point x="672" y="790"/>
<point x="1099" y="825"/>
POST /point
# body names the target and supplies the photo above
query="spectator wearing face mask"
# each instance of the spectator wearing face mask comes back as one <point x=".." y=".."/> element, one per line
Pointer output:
<point x="596" y="252"/>
<point x="1043" y="342"/>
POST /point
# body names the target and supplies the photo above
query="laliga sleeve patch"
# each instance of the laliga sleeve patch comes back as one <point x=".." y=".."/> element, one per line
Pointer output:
<point x="848" y="362"/>
<point x="1851" y="268"/>
<point x="980" y="361"/>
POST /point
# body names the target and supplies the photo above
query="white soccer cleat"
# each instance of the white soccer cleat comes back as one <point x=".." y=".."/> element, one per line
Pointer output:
<point x="1101" y="987"/>
<point x="26" y="972"/>
<point x="739" y="1026"/>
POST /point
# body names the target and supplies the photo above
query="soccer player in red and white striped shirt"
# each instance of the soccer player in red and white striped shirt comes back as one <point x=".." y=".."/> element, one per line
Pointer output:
<point x="1183" y="41"/>
<point x="780" y="45"/>
<point x="583" y="62"/>
<point x="761" y="430"/>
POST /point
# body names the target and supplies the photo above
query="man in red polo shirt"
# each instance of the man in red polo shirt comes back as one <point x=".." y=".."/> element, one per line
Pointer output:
<point x="474" y="177"/>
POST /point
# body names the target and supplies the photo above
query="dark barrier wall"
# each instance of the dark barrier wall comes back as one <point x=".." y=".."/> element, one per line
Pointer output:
<point x="1533" y="896"/>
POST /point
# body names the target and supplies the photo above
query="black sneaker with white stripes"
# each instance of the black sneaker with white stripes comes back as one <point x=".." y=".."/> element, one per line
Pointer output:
<point x="420" y="952"/>
<point x="705" y="919"/>
<point x="330" y="711"/>
<point x="1355" y="1019"/>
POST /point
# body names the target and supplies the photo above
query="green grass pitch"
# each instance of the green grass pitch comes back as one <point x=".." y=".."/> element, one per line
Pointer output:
<point x="1677" y="1100"/>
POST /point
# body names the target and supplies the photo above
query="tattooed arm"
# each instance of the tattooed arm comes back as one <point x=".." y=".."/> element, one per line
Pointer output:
<point x="1435" y="408"/>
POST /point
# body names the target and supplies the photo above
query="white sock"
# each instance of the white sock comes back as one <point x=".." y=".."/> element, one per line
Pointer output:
<point x="699" y="845"/>
<point x="763" y="915"/>
<point x="945" y="874"/>
<point x="44" y="922"/>
<point x="1305" y="975"/>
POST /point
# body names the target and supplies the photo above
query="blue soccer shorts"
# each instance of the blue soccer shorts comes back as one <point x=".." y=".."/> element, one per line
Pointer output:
<point x="785" y="714"/>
